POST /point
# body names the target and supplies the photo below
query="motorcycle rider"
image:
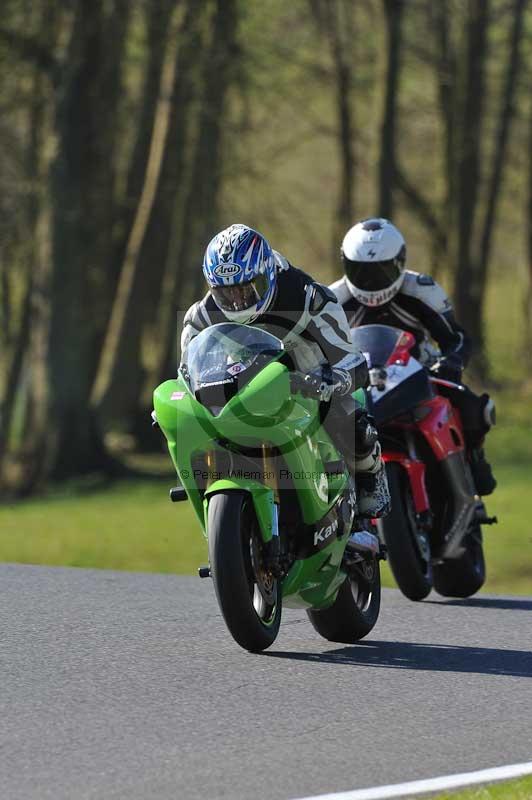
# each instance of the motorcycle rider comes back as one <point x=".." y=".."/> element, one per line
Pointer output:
<point x="377" y="289"/>
<point x="252" y="284"/>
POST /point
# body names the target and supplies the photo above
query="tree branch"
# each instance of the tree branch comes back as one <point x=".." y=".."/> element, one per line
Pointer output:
<point x="421" y="206"/>
<point x="30" y="49"/>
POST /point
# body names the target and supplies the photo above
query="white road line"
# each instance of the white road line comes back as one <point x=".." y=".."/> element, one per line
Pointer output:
<point x="431" y="784"/>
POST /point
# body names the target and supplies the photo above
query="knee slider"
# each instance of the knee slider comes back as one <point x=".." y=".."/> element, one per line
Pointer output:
<point x="489" y="416"/>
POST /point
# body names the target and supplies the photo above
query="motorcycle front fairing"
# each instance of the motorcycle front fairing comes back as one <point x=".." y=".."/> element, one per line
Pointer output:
<point x="254" y="408"/>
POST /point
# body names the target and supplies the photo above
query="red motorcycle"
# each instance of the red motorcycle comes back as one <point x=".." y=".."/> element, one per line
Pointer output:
<point x="433" y="533"/>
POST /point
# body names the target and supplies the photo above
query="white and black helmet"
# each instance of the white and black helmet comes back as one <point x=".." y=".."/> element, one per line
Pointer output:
<point x="374" y="254"/>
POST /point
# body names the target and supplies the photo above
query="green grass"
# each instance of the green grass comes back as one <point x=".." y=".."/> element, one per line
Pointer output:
<point x="520" y="789"/>
<point x="132" y="525"/>
<point x="128" y="525"/>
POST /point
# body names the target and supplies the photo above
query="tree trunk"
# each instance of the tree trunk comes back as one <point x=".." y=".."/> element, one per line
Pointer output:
<point x="506" y="116"/>
<point x="158" y="14"/>
<point x="527" y="349"/>
<point x="117" y="370"/>
<point x="393" y="12"/>
<point x="82" y="190"/>
<point x="439" y="15"/>
<point x="341" y="37"/>
<point x="184" y="277"/>
<point x="468" y="292"/>
<point x="35" y="168"/>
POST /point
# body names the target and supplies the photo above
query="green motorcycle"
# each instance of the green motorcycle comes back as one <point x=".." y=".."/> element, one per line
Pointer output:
<point x="272" y="494"/>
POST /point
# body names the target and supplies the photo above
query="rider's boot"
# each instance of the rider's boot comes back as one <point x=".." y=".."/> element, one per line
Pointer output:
<point x="483" y="477"/>
<point x="373" y="495"/>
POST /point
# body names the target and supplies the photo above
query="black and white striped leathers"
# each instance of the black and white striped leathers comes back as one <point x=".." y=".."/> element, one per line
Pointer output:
<point x="310" y="321"/>
<point x="306" y="316"/>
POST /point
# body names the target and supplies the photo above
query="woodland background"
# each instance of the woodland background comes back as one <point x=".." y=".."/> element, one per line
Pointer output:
<point x="132" y="130"/>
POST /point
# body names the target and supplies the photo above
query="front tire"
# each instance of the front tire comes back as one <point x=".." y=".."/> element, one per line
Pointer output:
<point x="356" y="608"/>
<point x="464" y="576"/>
<point x="248" y="595"/>
<point x="408" y="549"/>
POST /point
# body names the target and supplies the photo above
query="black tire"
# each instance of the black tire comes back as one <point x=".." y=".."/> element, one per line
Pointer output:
<point x="408" y="553"/>
<point x="248" y="596"/>
<point x="356" y="608"/>
<point x="464" y="576"/>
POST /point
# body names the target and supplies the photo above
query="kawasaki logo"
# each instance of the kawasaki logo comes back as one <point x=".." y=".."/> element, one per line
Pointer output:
<point x="226" y="270"/>
<point x="324" y="533"/>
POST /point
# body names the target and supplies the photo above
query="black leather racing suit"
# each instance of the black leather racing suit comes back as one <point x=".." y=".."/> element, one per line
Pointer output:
<point x="422" y="307"/>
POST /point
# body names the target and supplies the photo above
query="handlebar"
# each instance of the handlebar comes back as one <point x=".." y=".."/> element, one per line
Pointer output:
<point x="307" y="385"/>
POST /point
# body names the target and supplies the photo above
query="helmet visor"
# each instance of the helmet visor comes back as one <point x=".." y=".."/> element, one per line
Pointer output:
<point x="373" y="276"/>
<point x="240" y="296"/>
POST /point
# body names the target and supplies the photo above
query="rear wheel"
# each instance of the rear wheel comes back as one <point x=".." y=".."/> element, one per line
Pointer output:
<point x="249" y="595"/>
<point x="408" y="546"/>
<point x="463" y="577"/>
<point x="356" y="608"/>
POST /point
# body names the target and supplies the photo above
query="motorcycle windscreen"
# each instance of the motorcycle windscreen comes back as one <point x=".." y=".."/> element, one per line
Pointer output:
<point x="225" y="357"/>
<point x="376" y="342"/>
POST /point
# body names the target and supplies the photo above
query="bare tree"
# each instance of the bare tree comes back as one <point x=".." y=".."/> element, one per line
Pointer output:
<point x="527" y="305"/>
<point x="198" y="222"/>
<point x="82" y="194"/>
<point x="506" y="116"/>
<point x="393" y="13"/>
<point x="335" y="20"/>
<point x="120" y="357"/>
<point x="472" y="91"/>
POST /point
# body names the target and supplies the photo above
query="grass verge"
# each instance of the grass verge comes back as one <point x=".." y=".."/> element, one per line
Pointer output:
<point x="520" y="789"/>
<point x="132" y="525"/>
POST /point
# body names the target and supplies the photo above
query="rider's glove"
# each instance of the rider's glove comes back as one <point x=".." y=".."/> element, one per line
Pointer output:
<point x="311" y="385"/>
<point x="449" y="368"/>
<point x="315" y="384"/>
<point x="365" y="433"/>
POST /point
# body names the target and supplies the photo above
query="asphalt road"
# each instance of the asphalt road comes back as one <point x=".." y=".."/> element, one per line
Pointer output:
<point x="120" y="685"/>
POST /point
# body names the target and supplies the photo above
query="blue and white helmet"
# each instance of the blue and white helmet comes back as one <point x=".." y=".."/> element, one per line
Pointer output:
<point x="240" y="269"/>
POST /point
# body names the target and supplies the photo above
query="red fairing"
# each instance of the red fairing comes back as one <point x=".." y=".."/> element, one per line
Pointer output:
<point x="401" y="354"/>
<point x="442" y="428"/>
<point x="416" y="475"/>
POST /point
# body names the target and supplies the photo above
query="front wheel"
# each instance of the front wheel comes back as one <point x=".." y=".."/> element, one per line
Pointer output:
<point x="463" y="577"/>
<point x="408" y="547"/>
<point x="356" y="608"/>
<point x="249" y="596"/>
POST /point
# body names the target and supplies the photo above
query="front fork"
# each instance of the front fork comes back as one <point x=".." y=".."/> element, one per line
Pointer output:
<point x="265" y="497"/>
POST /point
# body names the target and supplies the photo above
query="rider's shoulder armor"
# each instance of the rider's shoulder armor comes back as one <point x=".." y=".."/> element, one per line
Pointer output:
<point x="203" y="313"/>
<point x="425" y="289"/>
<point x="341" y="291"/>
<point x="282" y="263"/>
<point x="292" y="287"/>
<point x="352" y="307"/>
<point x="320" y="295"/>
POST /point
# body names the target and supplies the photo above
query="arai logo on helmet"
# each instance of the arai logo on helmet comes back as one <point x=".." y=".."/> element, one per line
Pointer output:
<point x="226" y="270"/>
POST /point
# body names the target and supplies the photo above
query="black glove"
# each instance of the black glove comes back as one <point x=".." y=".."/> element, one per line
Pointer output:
<point x="448" y="368"/>
<point x="321" y="383"/>
<point x="365" y="433"/>
<point x="311" y="385"/>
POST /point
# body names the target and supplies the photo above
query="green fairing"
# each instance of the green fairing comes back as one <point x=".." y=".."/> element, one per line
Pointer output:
<point x="264" y="410"/>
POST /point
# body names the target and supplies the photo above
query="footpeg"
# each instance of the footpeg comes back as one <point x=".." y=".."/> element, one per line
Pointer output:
<point x="488" y="520"/>
<point x="363" y="542"/>
<point x="178" y="494"/>
<point x="204" y="572"/>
